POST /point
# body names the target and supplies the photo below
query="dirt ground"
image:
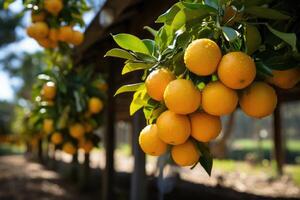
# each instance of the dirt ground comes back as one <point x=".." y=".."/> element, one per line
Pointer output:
<point x="24" y="180"/>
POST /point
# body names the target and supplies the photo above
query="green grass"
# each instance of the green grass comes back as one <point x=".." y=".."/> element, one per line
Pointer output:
<point x="249" y="144"/>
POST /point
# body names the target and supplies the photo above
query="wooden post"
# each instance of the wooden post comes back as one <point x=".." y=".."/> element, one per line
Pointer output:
<point x="109" y="141"/>
<point x="40" y="151"/>
<point x="138" y="179"/>
<point x="278" y="148"/>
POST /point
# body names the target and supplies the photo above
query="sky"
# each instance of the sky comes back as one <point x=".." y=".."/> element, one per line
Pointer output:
<point x="25" y="45"/>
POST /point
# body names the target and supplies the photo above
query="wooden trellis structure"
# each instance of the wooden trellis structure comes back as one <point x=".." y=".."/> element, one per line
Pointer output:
<point x="130" y="16"/>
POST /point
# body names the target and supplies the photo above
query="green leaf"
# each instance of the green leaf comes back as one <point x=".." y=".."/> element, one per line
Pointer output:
<point x="150" y="30"/>
<point x="213" y="3"/>
<point x="169" y="15"/>
<point x="206" y="159"/>
<point x="289" y="38"/>
<point x="263" y="69"/>
<point x="230" y="34"/>
<point x="130" y="42"/>
<point x="140" y="99"/>
<point x="179" y="20"/>
<point x="129" y="67"/>
<point x="199" y="6"/>
<point x="150" y="44"/>
<point x="129" y="88"/>
<point x="266" y="13"/>
<point x="119" y="53"/>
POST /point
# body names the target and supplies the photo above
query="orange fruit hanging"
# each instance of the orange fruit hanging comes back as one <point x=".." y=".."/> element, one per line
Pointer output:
<point x="56" y="138"/>
<point x="202" y="57"/>
<point x="285" y="79"/>
<point x="258" y="100"/>
<point x="157" y="82"/>
<point x="186" y="154"/>
<point x="236" y="70"/>
<point x="205" y="127"/>
<point x="77" y="38"/>
<point x="49" y="90"/>
<point x="150" y="143"/>
<point x="95" y="105"/>
<point x="76" y="130"/>
<point x="65" y="33"/>
<point x="182" y="97"/>
<point x="69" y="148"/>
<point x="53" y="6"/>
<point x="173" y="128"/>
<point x="217" y="99"/>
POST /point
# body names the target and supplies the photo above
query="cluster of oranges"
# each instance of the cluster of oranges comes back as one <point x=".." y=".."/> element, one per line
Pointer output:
<point x="193" y="115"/>
<point x="49" y="36"/>
<point x="75" y="130"/>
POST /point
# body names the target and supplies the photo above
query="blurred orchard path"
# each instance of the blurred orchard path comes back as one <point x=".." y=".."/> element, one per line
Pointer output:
<point x="21" y="179"/>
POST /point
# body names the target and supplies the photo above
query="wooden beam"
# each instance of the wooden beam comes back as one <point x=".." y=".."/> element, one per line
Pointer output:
<point x="277" y="137"/>
<point x="138" y="179"/>
<point x="109" y="140"/>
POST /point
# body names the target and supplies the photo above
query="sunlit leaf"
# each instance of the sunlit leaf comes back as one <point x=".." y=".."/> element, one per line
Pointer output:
<point x="119" y="53"/>
<point x="129" y="88"/>
<point x="130" y="42"/>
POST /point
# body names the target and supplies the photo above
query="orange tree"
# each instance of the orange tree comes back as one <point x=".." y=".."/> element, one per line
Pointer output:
<point x="68" y="108"/>
<point x="207" y="58"/>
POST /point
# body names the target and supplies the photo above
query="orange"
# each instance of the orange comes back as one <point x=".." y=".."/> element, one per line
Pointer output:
<point x="217" y="99"/>
<point x="56" y="138"/>
<point x="173" y="128"/>
<point x="182" y="97"/>
<point x="237" y="70"/>
<point x="253" y="39"/>
<point x="47" y="43"/>
<point x="69" y="148"/>
<point x="65" y="33"/>
<point x="150" y="143"/>
<point x="95" y="105"/>
<point x="77" y="38"/>
<point x="102" y="86"/>
<point x="53" y="34"/>
<point x="48" y="125"/>
<point x="157" y="82"/>
<point x="258" y="100"/>
<point x="76" y="130"/>
<point x="186" y="154"/>
<point x="285" y="79"/>
<point x="87" y="146"/>
<point x="205" y="127"/>
<point x="38" y="17"/>
<point x="53" y="6"/>
<point x="49" y="90"/>
<point x="38" y="30"/>
<point x="202" y="57"/>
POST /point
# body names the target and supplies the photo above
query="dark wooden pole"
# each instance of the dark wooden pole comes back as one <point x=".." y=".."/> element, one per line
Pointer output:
<point x="138" y="179"/>
<point x="277" y="137"/>
<point x="40" y="150"/>
<point x="109" y="141"/>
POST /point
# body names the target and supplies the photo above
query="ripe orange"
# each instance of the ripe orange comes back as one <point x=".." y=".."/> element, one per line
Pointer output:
<point x="95" y="105"/>
<point x="48" y="125"/>
<point x="102" y="86"/>
<point x="202" y="57"/>
<point x="205" y="127"/>
<point x="150" y="143"/>
<point x="38" y="17"/>
<point x="49" y="90"/>
<point x="253" y="39"/>
<point x="38" y="30"/>
<point x="186" y="154"/>
<point x="173" y="128"/>
<point x="236" y="70"/>
<point x="69" y="148"/>
<point x="56" y="138"/>
<point x="53" y="6"/>
<point x="87" y="146"/>
<point x="258" y="100"/>
<point x="157" y="82"/>
<point x="76" y="130"/>
<point x="47" y="43"/>
<point x="65" y="33"/>
<point x="285" y="79"/>
<point x="53" y="34"/>
<point x="77" y="38"/>
<point x="182" y="97"/>
<point x="217" y="99"/>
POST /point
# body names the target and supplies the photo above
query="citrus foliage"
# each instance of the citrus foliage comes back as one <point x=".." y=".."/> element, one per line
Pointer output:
<point x="207" y="56"/>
